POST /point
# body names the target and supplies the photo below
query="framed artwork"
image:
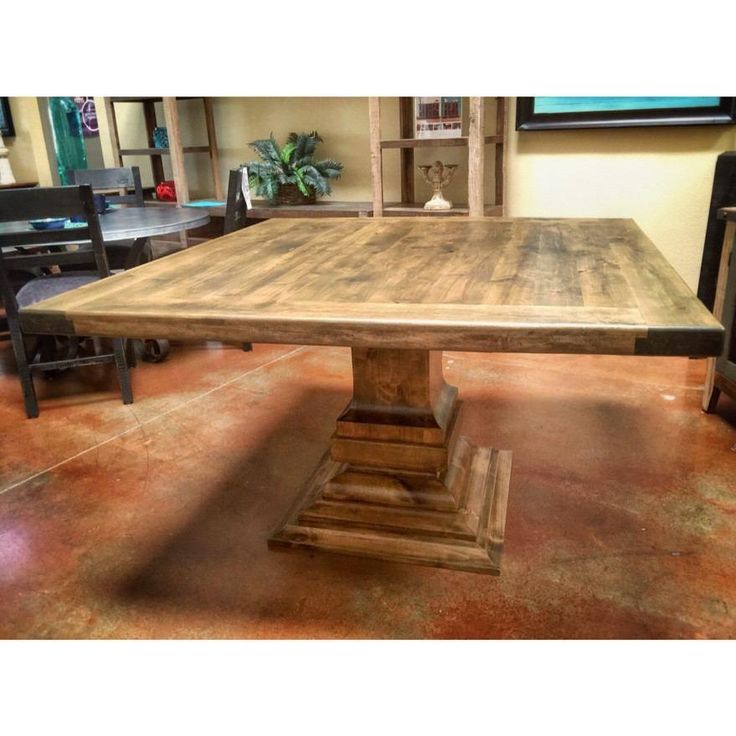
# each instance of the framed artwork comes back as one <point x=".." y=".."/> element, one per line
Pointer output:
<point x="551" y="113"/>
<point x="6" y="121"/>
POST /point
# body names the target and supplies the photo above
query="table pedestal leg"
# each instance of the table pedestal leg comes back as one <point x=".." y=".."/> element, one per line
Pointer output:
<point x="398" y="482"/>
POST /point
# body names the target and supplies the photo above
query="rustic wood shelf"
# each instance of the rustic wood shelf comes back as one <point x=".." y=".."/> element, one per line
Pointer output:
<point x="145" y="99"/>
<point x="475" y="142"/>
<point x="19" y="185"/>
<point x="262" y="210"/>
<point x="176" y="149"/>
<point x="434" y="142"/>
<point x="161" y="151"/>
<point x="414" y="209"/>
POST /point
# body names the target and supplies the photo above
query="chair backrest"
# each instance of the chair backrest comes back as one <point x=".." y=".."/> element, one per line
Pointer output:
<point x="235" y="208"/>
<point x="21" y="205"/>
<point x="125" y="180"/>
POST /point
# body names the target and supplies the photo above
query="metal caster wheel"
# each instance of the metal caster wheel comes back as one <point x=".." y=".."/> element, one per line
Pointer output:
<point x="155" y="351"/>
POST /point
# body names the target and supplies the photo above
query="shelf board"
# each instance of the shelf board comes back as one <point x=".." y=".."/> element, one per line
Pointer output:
<point x="414" y="209"/>
<point x="263" y="210"/>
<point x="147" y="99"/>
<point x="161" y="151"/>
<point x="434" y="142"/>
<point x="19" y="185"/>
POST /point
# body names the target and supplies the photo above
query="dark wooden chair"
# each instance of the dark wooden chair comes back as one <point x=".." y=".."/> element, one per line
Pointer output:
<point x="120" y="186"/>
<point x="48" y="250"/>
<point x="124" y="254"/>
<point x="126" y="181"/>
<point x="235" y="207"/>
<point x="236" y="213"/>
<point x="721" y="372"/>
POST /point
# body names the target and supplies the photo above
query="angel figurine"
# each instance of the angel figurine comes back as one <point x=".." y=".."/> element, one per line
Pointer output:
<point x="438" y="175"/>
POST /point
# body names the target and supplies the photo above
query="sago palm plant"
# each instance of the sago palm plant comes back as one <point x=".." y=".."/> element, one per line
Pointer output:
<point x="293" y="164"/>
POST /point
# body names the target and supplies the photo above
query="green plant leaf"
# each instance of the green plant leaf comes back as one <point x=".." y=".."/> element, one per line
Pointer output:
<point x="299" y="181"/>
<point x="287" y="151"/>
<point x="268" y="149"/>
<point x="329" y="168"/>
<point x="292" y="164"/>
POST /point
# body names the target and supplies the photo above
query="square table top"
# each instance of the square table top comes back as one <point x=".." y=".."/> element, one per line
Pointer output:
<point x="454" y="283"/>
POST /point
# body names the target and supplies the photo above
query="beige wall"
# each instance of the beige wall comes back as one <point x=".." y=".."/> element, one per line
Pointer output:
<point x="661" y="177"/>
<point x="341" y="121"/>
<point x="27" y="150"/>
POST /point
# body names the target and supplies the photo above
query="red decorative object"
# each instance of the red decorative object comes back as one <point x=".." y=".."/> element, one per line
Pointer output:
<point x="166" y="191"/>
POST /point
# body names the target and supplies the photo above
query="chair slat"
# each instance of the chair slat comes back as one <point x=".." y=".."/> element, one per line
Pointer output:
<point x="40" y="203"/>
<point x="52" y="238"/>
<point x="37" y="260"/>
<point x="111" y="180"/>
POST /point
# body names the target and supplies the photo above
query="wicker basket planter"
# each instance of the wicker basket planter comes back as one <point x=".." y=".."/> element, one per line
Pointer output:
<point x="290" y="194"/>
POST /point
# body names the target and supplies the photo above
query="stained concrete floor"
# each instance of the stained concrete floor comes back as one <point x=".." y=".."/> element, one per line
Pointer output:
<point x="150" y="521"/>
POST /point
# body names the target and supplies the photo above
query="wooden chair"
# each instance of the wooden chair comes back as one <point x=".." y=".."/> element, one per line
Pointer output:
<point x="49" y="251"/>
<point x="236" y="213"/>
<point x="124" y="180"/>
<point x="235" y="207"/>
<point x="120" y="186"/>
<point x="721" y="372"/>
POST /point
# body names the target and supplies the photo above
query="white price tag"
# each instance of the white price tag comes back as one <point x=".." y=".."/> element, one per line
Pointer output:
<point x="245" y="186"/>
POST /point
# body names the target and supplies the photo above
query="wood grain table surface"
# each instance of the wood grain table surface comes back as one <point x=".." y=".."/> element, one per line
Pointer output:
<point x="399" y="481"/>
<point x="497" y="285"/>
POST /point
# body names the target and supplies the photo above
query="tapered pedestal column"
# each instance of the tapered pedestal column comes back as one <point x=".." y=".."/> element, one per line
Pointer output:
<point x="398" y="482"/>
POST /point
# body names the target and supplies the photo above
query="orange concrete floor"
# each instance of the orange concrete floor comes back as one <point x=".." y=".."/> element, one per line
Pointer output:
<point x="151" y="520"/>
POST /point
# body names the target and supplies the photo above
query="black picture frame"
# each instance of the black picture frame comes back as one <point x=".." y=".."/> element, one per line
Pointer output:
<point x="6" y="119"/>
<point x="724" y="113"/>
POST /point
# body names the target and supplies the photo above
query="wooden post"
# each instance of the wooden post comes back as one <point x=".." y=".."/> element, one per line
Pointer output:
<point x="212" y="142"/>
<point x="476" y="156"/>
<point x="500" y="153"/>
<point x="374" y="130"/>
<point x="6" y="172"/>
<point x="157" y="164"/>
<point x="176" y="150"/>
<point x="112" y="124"/>
<point x="406" y="124"/>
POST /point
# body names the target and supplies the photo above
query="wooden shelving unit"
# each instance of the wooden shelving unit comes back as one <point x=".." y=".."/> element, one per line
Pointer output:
<point x="176" y="150"/>
<point x="476" y="142"/>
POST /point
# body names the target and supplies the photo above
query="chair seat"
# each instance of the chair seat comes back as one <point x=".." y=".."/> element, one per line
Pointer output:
<point x="45" y="287"/>
<point x="118" y="250"/>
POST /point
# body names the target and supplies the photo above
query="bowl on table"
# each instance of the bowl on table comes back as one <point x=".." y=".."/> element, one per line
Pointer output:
<point x="48" y="223"/>
<point x="101" y="206"/>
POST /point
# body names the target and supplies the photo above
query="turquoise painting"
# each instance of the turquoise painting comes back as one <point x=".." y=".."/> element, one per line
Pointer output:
<point x="556" y="113"/>
<point x="552" y="105"/>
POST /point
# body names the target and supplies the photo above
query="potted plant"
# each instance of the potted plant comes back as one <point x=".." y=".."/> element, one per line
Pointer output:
<point x="290" y="175"/>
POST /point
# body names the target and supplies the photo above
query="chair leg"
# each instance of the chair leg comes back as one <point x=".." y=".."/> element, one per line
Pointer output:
<point x="130" y="353"/>
<point x="118" y="346"/>
<point x="24" y="372"/>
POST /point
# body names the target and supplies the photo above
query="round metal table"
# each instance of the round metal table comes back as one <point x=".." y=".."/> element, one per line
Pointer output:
<point x="147" y="222"/>
<point x="137" y="224"/>
<point x="134" y="222"/>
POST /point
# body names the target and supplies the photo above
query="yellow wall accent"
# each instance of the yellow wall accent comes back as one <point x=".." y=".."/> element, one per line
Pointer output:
<point x="27" y="150"/>
<point x="661" y="177"/>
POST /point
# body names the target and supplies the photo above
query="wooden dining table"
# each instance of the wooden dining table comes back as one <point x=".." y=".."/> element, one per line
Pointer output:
<point x="399" y="480"/>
